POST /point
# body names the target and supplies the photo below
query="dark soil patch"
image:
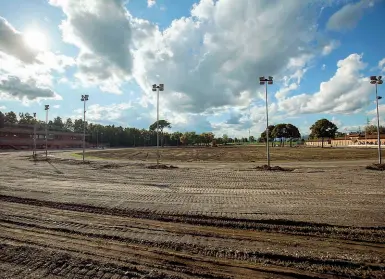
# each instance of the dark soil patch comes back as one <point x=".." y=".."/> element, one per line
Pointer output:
<point x="272" y="168"/>
<point x="109" y="166"/>
<point x="377" y="167"/>
<point x="163" y="167"/>
<point x="57" y="160"/>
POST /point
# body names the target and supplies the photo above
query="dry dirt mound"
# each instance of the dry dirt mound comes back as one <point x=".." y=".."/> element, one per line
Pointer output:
<point x="377" y="167"/>
<point x="164" y="167"/>
<point x="270" y="168"/>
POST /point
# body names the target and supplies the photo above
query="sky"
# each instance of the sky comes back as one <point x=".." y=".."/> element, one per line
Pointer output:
<point x="208" y="54"/>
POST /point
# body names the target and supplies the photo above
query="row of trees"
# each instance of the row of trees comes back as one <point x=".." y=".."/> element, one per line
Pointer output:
<point x="119" y="136"/>
<point x="114" y="136"/>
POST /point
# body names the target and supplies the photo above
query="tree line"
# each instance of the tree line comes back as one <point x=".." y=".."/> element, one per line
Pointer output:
<point x="114" y="136"/>
<point x="117" y="136"/>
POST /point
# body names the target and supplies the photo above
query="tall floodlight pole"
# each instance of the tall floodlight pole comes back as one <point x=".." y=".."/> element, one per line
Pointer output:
<point x="377" y="80"/>
<point x="46" y="130"/>
<point x="157" y="88"/>
<point x="34" y="135"/>
<point x="366" y="128"/>
<point x="266" y="81"/>
<point x="249" y="127"/>
<point x="84" y="99"/>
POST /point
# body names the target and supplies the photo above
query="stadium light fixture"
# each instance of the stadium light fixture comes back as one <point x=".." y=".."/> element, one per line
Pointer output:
<point x="157" y="88"/>
<point x="377" y="80"/>
<point x="266" y="81"/>
<point x="84" y="99"/>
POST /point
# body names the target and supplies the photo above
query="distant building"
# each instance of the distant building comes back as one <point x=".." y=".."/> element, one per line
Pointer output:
<point x="358" y="139"/>
<point x="21" y="137"/>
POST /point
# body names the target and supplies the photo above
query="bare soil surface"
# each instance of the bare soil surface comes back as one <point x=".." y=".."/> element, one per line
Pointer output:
<point x="64" y="219"/>
<point x="246" y="153"/>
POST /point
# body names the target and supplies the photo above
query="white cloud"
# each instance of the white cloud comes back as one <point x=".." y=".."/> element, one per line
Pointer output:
<point x="25" y="74"/>
<point x="12" y="42"/>
<point x="330" y="47"/>
<point x="346" y="92"/>
<point x="99" y="112"/>
<point x="151" y="3"/>
<point x="323" y="67"/>
<point x="336" y="121"/>
<point x="28" y="89"/>
<point x="284" y="91"/>
<point x="381" y="65"/>
<point x="56" y="106"/>
<point x="56" y="62"/>
<point x="213" y="57"/>
<point x="102" y="32"/>
<point x="349" y="15"/>
<point x="381" y="110"/>
<point x="3" y="107"/>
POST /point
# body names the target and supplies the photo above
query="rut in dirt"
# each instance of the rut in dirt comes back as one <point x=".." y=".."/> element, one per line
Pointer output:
<point x="365" y="234"/>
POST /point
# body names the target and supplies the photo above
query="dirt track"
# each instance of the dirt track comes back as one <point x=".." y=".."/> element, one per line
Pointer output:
<point x="101" y="220"/>
<point x="241" y="153"/>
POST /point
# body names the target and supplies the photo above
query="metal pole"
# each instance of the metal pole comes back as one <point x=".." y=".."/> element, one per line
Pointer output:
<point x="378" y="129"/>
<point x="267" y="128"/>
<point x="249" y="127"/>
<point x="366" y="128"/>
<point x="34" y="137"/>
<point x="46" y="134"/>
<point x="84" y="128"/>
<point x="157" y="129"/>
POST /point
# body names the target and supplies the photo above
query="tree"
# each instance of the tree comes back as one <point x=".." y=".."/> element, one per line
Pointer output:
<point x="10" y="118"/>
<point x="69" y="125"/>
<point x="58" y="124"/>
<point x="78" y="125"/>
<point x="176" y="137"/>
<point x="192" y="137"/>
<point x="271" y="135"/>
<point x="207" y="138"/>
<point x="225" y="139"/>
<point x="162" y="125"/>
<point x="2" y="120"/>
<point x="280" y="132"/>
<point x="323" y="128"/>
<point x="183" y="139"/>
<point x="26" y="118"/>
<point x="292" y="132"/>
<point x="372" y="129"/>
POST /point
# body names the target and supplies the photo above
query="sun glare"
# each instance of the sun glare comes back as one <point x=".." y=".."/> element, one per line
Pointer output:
<point x="36" y="40"/>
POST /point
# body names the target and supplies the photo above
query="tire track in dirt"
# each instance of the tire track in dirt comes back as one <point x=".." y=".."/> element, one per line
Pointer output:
<point x="373" y="234"/>
<point x="165" y="239"/>
<point x="147" y="258"/>
<point x="315" y="264"/>
<point x="32" y="262"/>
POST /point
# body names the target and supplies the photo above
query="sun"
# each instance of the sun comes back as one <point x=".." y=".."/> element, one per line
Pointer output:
<point x="36" y="40"/>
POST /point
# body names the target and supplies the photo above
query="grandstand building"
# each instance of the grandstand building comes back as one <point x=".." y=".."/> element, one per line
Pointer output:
<point x="19" y="137"/>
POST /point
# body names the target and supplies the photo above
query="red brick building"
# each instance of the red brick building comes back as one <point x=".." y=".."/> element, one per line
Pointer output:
<point x="21" y="137"/>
